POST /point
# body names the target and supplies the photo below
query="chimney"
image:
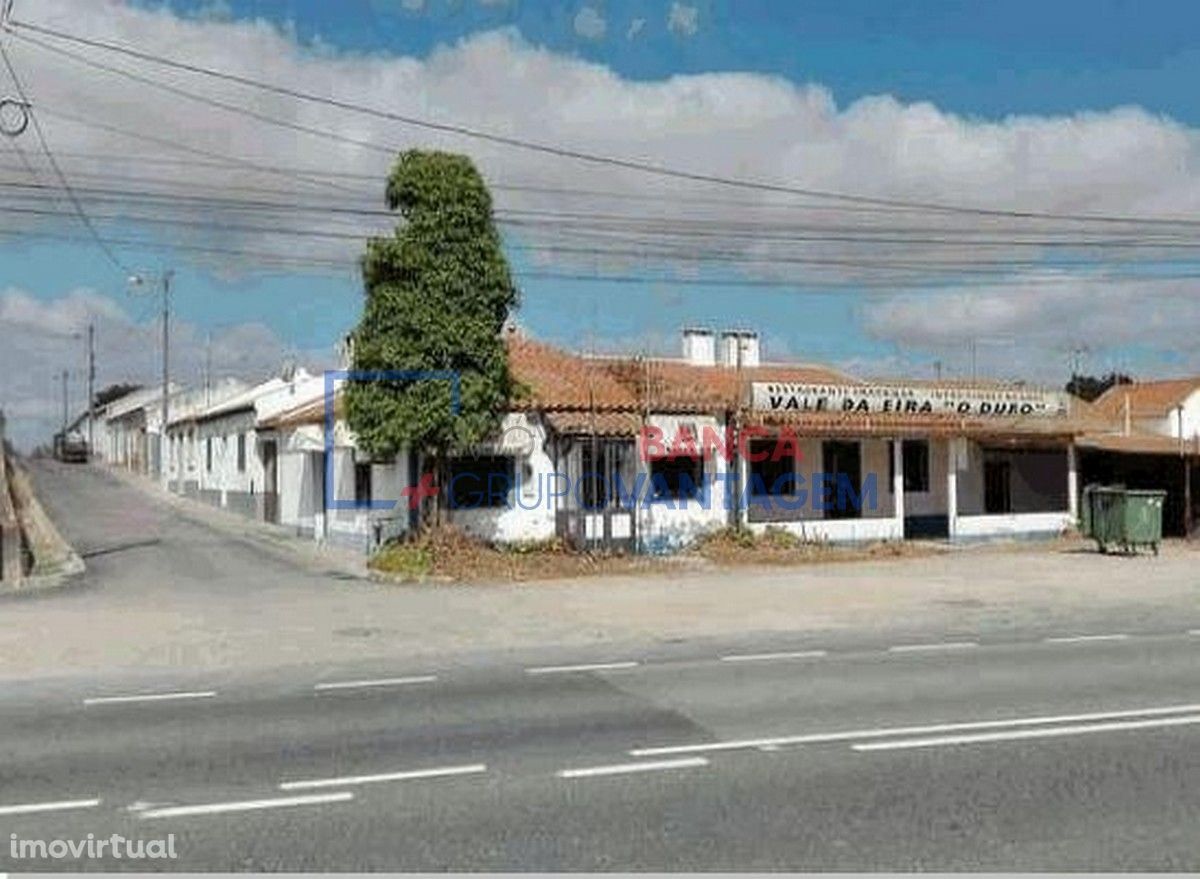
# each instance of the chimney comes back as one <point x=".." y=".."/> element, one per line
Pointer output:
<point x="699" y="346"/>
<point x="739" y="348"/>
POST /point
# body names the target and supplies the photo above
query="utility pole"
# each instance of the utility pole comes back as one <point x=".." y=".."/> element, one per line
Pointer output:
<point x="91" y="389"/>
<point x="164" y="279"/>
<point x="66" y="418"/>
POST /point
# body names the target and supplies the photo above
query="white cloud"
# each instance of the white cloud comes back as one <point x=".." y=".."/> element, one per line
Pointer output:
<point x="635" y="28"/>
<point x="39" y="338"/>
<point x="1121" y="161"/>
<point x="1029" y="326"/>
<point x="683" y="20"/>
<point x="590" y="24"/>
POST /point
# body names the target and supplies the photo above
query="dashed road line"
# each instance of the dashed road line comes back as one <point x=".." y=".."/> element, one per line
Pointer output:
<point x="377" y="682"/>
<point x="895" y="732"/>
<point x="571" y="669"/>
<point x="247" y="805"/>
<point x="933" y="647"/>
<point x="628" y="768"/>
<point x="150" y="697"/>
<point x="408" y="775"/>
<point x="1083" y="639"/>
<point x="60" y="806"/>
<point x="1022" y="734"/>
<point x="771" y="657"/>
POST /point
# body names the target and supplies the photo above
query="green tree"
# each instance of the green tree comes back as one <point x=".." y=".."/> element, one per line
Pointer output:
<point x="438" y="294"/>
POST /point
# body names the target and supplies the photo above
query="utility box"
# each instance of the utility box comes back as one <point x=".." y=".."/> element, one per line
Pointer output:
<point x="1123" y="517"/>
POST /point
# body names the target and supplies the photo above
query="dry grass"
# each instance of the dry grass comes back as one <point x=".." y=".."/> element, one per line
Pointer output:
<point x="732" y="547"/>
<point x="447" y="555"/>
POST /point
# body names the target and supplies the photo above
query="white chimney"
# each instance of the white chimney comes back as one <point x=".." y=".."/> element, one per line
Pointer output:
<point x="699" y="346"/>
<point x="740" y="348"/>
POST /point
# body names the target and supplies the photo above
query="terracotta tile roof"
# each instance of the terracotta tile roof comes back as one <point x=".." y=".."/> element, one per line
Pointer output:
<point x="1147" y="399"/>
<point x="610" y="424"/>
<point x="312" y="412"/>
<point x="1138" y="444"/>
<point x="554" y="379"/>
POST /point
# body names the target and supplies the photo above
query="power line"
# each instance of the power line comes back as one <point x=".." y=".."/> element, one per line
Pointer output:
<point x="109" y="253"/>
<point x="572" y="153"/>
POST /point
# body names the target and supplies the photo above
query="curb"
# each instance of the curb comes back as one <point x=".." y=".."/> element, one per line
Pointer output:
<point x="55" y="562"/>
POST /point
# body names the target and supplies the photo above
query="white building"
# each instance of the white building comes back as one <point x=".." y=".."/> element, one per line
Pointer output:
<point x="650" y="453"/>
<point x="216" y="453"/>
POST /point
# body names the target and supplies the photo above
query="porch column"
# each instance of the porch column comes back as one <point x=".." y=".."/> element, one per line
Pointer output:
<point x="952" y="446"/>
<point x="898" y="485"/>
<point x="1072" y="483"/>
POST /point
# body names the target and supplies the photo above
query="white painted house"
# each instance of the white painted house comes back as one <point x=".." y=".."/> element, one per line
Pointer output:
<point x="651" y="453"/>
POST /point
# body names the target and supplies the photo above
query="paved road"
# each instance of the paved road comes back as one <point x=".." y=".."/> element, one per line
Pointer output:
<point x="1055" y="747"/>
<point x="1066" y="755"/>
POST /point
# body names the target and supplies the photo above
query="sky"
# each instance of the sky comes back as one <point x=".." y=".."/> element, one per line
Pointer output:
<point x="1075" y="106"/>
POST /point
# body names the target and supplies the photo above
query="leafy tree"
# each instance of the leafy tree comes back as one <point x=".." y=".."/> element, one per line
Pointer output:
<point x="1090" y="387"/>
<point x="438" y="294"/>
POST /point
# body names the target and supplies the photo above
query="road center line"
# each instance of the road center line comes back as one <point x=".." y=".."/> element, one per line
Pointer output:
<point x="1016" y="735"/>
<point x="61" y="806"/>
<point x="150" y="697"/>
<point x="1081" y="639"/>
<point x="410" y="775"/>
<point x="625" y="768"/>
<point x="929" y="648"/>
<point x="247" y="805"/>
<point x="889" y="732"/>
<point x="569" y="669"/>
<point x="378" y="682"/>
<point x="769" y="657"/>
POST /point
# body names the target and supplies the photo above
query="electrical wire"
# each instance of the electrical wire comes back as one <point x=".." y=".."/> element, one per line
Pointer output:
<point x="568" y="152"/>
<point x="108" y="252"/>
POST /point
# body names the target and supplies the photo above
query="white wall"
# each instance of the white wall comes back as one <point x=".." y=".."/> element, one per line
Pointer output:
<point x="529" y="514"/>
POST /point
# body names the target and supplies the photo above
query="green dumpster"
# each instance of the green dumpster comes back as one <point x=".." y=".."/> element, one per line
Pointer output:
<point x="1122" y="517"/>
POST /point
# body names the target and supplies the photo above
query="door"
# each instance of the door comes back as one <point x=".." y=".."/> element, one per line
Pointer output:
<point x="842" y="462"/>
<point x="997" y="487"/>
<point x="270" y="481"/>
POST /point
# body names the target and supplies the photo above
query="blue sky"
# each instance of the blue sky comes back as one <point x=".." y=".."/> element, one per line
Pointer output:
<point x="981" y="61"/>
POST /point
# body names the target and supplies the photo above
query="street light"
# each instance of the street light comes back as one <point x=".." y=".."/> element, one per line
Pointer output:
<point x="163" y="281"/>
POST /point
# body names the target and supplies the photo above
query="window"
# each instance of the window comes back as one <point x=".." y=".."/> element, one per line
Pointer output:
<point x="771" y="473"/>
<point x="208" y="449"/>
<point x="916" y="466"/>
<point x="241" y="453"/>
<point x="362" y="483"/>
<point x="480" y="482"/>
<point x="676" y="479"/>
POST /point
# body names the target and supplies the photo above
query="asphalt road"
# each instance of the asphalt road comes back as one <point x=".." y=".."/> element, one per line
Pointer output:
<point x="1043" y="751"/>
<point x="1072" y="755"/>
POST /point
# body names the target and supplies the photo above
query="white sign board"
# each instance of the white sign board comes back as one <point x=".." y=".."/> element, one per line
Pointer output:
<point x="908" y="400"/>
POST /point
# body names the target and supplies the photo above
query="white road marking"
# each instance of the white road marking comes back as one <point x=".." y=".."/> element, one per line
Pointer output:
<point x="1194" y="632"/>
<point x="929" y="648"/>
<point x="1081" y="639"/>
<point x="768" y="657"/>
<point x="624" y="768"/>
<point x="410" y="775"/>
<point x="61" y="806"/>
<point x="1016" y="735"/>
<point x="150" y="697"/>
<point x="892" y="732"/>
<point x="378" y="682"/>
<point x="568" y="669"/>
<point x="247" y="805"/>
